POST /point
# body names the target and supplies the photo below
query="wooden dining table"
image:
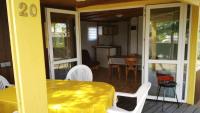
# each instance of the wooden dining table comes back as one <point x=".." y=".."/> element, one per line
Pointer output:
<point x="67" y="97"/>
<point x="120" y="60"/>
<point x="117" y="61"/>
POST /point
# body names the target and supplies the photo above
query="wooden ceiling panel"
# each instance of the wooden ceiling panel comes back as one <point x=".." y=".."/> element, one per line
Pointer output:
<point x="112" y="16"/>
<point x="73" y="3"/>
<point x="65" y="4"/>
<point x="95" y="2"/>
<point x="57" y="17"/>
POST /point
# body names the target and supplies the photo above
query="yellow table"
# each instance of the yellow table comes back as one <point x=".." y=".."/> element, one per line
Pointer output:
<point x="67" y="97"/>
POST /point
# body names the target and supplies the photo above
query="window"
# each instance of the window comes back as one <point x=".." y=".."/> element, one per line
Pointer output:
<point x="59" y="33"/>
<point x="92" y="33"/>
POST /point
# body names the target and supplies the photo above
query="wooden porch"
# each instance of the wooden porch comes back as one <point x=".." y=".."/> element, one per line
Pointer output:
<point x="151" y="106"/>
<point x="169" y="107"/>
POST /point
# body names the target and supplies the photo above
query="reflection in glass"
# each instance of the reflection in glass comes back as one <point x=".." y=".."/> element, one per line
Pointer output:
<point x="63" y="36"/>
<point x="161" y="68"/>
<point x="61" y="70"/>
<point x="184" y="81"/>
<point x="187" y="34"/>
<point x="164" y="33"/>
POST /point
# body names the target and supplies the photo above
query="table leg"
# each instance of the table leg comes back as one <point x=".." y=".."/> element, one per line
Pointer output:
<point x="126" y="72"/>
<point x="136" y="73"/>
<point x="95" y="54"/>
<point x="110" y="71"/>
<point x="118" y="68"/>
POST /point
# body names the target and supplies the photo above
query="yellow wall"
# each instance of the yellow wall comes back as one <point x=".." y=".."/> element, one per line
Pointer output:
<point x="193" y="54"/>
<point x="194" y="2"/>
<point x="28" y="56"/>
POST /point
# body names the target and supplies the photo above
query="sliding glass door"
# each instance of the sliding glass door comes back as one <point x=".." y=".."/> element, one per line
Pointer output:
<point x="64" y="41"/>
<point x="165" y="46"/>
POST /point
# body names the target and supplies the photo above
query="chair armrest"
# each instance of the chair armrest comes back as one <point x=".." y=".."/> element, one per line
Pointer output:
<point x="122" y="94"/>
<point x="125" y="94"/>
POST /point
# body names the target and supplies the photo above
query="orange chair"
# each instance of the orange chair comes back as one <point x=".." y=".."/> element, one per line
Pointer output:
<point x="114" y="66"/>
<point x="131" y="65"/>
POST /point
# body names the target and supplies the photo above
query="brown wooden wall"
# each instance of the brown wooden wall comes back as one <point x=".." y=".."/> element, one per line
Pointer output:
<point x="5" y="50"/>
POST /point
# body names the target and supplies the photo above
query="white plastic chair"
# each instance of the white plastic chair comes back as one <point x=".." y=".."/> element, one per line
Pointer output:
<point x="3" y="82"/>
<point x="80" y="73"/>
<point x="141" y="95"/>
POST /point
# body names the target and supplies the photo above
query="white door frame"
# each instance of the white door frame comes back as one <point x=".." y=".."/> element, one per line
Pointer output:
<point x="181" y="44"/>
<point x="78" y="59"/>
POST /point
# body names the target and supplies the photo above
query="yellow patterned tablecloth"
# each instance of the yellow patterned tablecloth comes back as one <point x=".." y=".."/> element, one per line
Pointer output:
<point x="67" y="97"/>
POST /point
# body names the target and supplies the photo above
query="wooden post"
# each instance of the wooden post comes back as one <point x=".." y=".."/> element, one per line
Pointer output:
<point x="193" y="53"/>
<point x="28" y="55"/>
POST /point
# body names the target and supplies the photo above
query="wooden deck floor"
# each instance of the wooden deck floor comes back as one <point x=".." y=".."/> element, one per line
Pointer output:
<point x="156" y="107"/>
<point x="131" y="86"/>
<point x="121" y="85"/>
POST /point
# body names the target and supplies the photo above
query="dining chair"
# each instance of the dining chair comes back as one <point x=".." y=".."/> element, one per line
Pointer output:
<point x="80" y="73"/>
<point x="114" y="67"/>
<point x="3" y="82"/>
<point x="131" y="65"/>
<point x="141" y="96"/>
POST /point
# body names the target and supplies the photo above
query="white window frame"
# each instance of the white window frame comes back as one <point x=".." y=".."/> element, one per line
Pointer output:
<point x="88" y="29"/>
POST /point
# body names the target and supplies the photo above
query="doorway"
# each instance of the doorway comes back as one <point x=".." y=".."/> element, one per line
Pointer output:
<point x="110" y="37"/>
<point x="165" y="45"/>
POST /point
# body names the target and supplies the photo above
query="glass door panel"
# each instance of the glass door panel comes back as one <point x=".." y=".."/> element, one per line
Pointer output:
<point x="186" y="55"/>
<point x="165" y="26"/>
<point x="64" y="52"/>
<point x="61" y="70"/>
<point x="164" y="33"/>
<point x="163" y="46"/>
<point x="164" y="69"/>
<point x="63" y="36"/>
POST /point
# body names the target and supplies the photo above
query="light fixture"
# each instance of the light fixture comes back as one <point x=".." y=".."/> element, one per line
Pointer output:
<point x="119" y="15"/>
<point x="80" y="0"/>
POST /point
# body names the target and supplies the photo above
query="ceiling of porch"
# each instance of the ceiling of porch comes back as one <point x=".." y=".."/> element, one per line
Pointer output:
<point x="72" y="4"/>
<point x="111" y="16"/>
<point x="81" y="3"/>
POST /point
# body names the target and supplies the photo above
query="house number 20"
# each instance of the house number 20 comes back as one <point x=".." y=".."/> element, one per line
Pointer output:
<point x="25" y="10"/>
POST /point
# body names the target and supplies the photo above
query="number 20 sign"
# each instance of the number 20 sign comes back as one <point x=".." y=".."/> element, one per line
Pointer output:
<point x="26" y="10"/>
